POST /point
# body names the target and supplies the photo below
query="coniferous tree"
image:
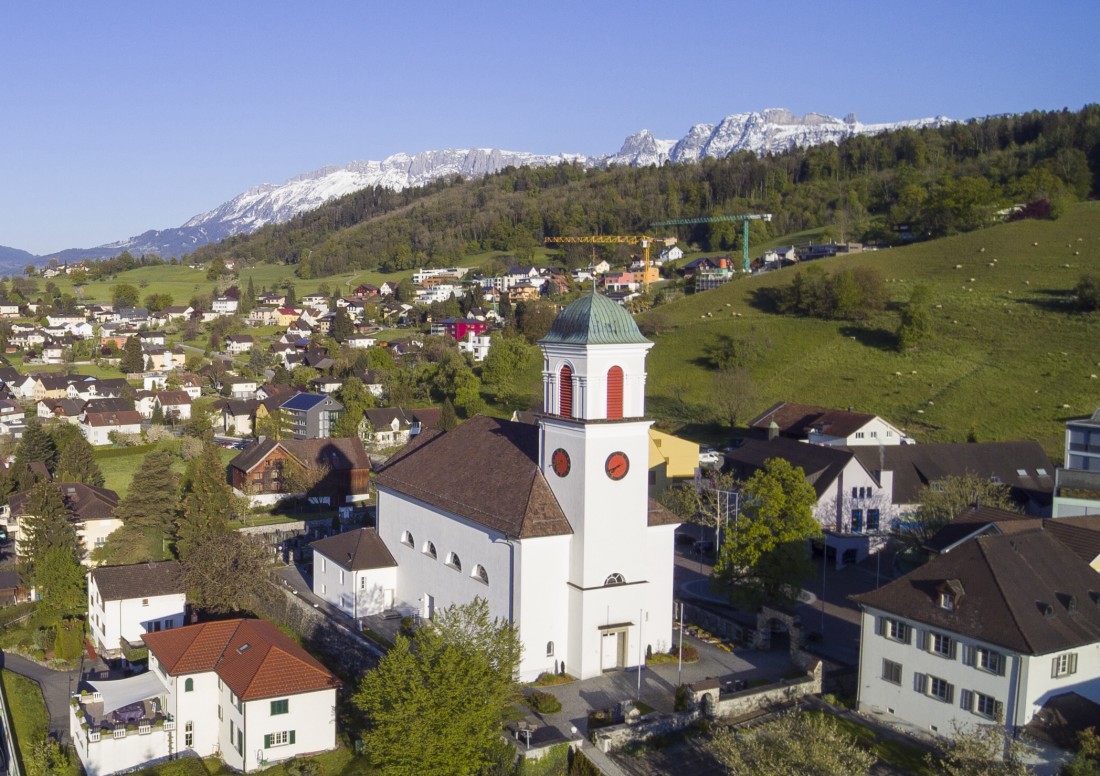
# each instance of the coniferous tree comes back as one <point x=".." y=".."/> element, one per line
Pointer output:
<point x="47" y="524"/>
<point x="208" y="501"/>
<point x="77" y="463"/>
<point x="36" y="446"/>
<point x="147" y="513"/>
<point x="244" y="304"/>
<point x="342" y="327"/>
<point x="448" y="419"/>
<point x="133" y="360"/>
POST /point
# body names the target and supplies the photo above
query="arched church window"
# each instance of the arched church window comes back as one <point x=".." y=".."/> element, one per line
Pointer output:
<point x="407" y="538"/>
<point x="549" y="649"/>
<point x="429" y="549"/>
<point x="614" y="393"/>
<point x="480" y="573"/>
<point x="615" y="579"/>
<point x="454" y="561"/>
<point x="565" y="391"/>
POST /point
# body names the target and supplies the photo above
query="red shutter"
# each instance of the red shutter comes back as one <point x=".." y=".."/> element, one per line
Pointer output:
<point x="614" y="393"/>
<point x="565" y="396"/>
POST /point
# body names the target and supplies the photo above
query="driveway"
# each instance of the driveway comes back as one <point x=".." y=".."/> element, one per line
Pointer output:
<point x="57" y="688"/>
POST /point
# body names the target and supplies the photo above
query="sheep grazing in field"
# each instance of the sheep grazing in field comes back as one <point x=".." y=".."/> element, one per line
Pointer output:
<point x="972" y="280"/>
<point x="981" y="250"/>
<point x="958" y="266"/>
<point x="1035" y="244"/>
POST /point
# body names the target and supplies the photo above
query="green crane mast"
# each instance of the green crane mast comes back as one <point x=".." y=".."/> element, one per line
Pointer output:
<point x="712" y="219"/>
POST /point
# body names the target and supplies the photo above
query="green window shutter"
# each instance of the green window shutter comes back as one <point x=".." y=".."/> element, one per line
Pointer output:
<point x="267" y="742"/>
<point x="292" y="736"/>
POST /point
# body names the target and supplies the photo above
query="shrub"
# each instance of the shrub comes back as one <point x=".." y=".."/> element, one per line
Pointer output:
<point x="682" y="700"/>
<point x="543" y="702"/>
<point x="547" y="679"/>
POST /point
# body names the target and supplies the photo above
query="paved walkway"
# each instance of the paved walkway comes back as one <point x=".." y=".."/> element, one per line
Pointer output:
<point x="57" y="688"/>
<point x="657" y="688"/>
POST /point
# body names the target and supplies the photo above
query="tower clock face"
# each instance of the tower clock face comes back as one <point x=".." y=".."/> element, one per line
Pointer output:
<point x="617" y="465"/>
<point x="560" y="463"/>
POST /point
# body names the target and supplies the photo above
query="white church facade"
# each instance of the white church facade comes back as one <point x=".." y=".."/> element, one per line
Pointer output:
<point x="551" y="524"/>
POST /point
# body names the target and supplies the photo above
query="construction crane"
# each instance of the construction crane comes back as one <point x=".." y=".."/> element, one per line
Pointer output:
<point x="643" y="240"/>
<point x="713" y="219"/>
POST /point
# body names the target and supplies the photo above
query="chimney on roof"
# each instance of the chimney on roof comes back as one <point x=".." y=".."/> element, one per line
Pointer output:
<point x="773" y="430"/>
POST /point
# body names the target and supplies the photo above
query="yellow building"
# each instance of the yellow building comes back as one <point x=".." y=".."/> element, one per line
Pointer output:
<point x="670" y="458"/>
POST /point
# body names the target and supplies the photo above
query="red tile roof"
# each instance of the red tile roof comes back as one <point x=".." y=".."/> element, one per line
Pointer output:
<point x="253" y="657"/>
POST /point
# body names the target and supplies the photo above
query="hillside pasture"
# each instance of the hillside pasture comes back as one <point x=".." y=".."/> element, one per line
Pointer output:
<point x="1010" y="358"/>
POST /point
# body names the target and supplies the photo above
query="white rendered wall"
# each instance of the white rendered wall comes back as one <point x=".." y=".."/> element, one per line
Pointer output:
<point x="542" y="604"/>
<point x="312" y="717"/>
<point x="341" y="587"/>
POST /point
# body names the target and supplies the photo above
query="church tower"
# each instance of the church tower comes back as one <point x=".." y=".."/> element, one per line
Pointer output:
<point x="594" y="451"/>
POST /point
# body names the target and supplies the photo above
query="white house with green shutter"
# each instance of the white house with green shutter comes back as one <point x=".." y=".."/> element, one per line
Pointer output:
<point x="996" y="630"/>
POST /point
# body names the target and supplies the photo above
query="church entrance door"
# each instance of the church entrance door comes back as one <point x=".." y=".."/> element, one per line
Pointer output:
<point x="611" y="653"/>
<point x="427" y="607"/>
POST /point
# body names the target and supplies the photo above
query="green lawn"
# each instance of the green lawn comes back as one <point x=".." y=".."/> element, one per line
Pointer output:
<point x="1008" y="359"/>
<point x="28" y="716"/>
<point x="119" y="464"/>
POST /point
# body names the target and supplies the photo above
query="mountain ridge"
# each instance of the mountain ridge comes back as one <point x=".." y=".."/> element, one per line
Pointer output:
<point x="762" y="132"/>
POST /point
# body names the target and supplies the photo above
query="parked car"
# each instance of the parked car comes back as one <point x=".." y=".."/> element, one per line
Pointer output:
<point x="708" y="456"/>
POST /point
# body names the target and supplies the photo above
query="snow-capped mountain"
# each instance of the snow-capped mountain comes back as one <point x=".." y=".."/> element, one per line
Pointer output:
<point x="762" y="132"/>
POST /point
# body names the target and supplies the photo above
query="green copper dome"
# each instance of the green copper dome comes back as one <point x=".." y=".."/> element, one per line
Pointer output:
<point x="594" y="320"/>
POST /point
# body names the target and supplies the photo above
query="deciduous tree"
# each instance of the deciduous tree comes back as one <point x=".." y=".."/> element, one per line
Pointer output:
<point x="796" y="743"/>
<point x="453" y="678"/>
<point x="765" y="555"/>
<point x="943" y="500"/>
<point x="223" y="572"/>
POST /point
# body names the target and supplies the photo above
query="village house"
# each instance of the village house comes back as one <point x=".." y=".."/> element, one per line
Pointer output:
<point x="1077" y="484"/>
<point x="240" y="690"/>
<point x="224" y="305"/>
<point x="91" y="510"/>
<point x="174" y="405"/>
<point x="97" y="427"/>
<point x="477" y="346"/>
<point x="1003" y="629"/>
<point x="823" y="426"/>
<point x="262" y="470"/>
<point x="125" y="602"/>
<point x="238" y="344"/>
<point x="8" y="309"/>
<point x="853" y="506"/>
<point x="355" y="572"/>
<point x="384" y="427"/>
<point x="312" y="415"/>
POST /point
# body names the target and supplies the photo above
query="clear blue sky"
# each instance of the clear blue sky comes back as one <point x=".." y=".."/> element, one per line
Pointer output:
<point x="117" y="117"/>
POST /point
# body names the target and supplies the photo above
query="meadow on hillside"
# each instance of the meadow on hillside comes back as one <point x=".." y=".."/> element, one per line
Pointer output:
<point x="1010" y="359"/>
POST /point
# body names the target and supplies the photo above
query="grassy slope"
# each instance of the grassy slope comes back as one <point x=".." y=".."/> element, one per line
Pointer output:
<point x="1008" y="359"/>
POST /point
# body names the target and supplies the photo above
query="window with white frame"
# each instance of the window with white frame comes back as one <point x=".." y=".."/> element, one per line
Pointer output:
<point x="282" y="738"/>
<point x="454" y="561"/>
<point x="989" y="660"/>
<point x="188" y="734"/>
<point x="938" y="688"/>
<point x="985" y="705"/>
<point x="407" y="539"/>
<point x="429" y="550"/>
<point x="615" y="579"/>
<point x="549" y="649"/>
<point x="895" y="630"/>
<point x="940" y="644"/>
<point x="1063" y="665"/>
<point x="480" y="573"/>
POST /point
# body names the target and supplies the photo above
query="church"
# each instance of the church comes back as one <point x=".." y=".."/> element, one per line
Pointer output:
<point x="551" y="524"/>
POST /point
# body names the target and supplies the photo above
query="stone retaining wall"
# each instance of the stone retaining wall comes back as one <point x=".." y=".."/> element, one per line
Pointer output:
<point x="342" y="648"/>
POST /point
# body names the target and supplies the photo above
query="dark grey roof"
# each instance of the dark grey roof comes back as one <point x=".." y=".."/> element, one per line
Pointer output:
<point x="979" y="520"/>
<point x="1018" y="592"/>
<point x="356" y="550"/>
<point x="594" y="320"/>
<point x="1080" y="533"/>
<point x="822" y="465"/>
<point x="915" y="466"/>
<point x="485" y="471"/>
<point x="797" y="420"/>
<point x="140" y="580"/>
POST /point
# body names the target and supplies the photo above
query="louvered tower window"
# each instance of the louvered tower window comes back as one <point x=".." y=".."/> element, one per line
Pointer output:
<point x="565" y="397"/>
<point x="614" y="393"/>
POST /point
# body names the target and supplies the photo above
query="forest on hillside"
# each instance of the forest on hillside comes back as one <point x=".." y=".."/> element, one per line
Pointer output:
<point x="901" y="185"/>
